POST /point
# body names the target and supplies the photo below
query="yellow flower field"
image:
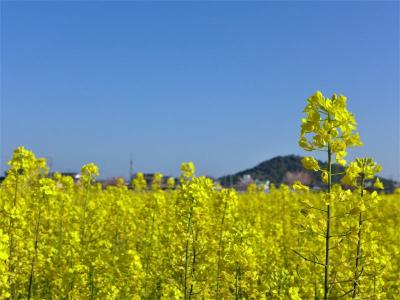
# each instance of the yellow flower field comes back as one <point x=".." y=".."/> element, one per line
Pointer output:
<point x="61" y="239"/>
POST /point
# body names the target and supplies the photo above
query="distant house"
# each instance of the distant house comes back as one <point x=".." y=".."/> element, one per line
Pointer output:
<point x="267" y="186"/>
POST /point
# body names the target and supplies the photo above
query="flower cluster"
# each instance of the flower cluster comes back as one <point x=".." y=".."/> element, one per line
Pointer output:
<point x="328" y="125"/>
<point x="362" y="169"/>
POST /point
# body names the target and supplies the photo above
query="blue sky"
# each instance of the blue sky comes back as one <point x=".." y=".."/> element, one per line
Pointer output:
<point x="220" y="83"/>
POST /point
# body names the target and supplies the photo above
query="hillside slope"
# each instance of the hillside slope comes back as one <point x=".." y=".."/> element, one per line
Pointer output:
<point x="284" y="169"/>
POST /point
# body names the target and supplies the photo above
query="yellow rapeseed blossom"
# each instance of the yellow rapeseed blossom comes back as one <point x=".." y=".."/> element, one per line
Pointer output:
<point x="139" y="182"/>
<point x="324" y="176"/>
<point x="187" y="169"/>
<point x="361" y="169"/>
<point x="89" y="173"/>
<point x="378" y="184"/>
<point x="298" y="186"/>
<point x="171" y="182"/>
<point x="310" y="163"/>
<point x="328" y="125"/>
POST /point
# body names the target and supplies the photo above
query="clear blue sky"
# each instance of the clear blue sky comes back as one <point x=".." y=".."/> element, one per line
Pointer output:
<point x="220" y="83"/>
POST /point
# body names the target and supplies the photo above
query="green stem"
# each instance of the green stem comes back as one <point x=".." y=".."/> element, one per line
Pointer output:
<point x="192" y="273"/>
<point x="92" y="285"/>
<point x="149" y="246"/>
<point x="358" y="256"/>
<point x="84" y="245"/>
<point x="189" y="228"/>
<point x="34" y="258"/>
<point x="328" y="227"/>
<point x="83" y="228"/>
<point x="11" y="233"/>
<point x="237" y="282"/>
<point x="220" y="250"/>
<point x="60" y="252"/>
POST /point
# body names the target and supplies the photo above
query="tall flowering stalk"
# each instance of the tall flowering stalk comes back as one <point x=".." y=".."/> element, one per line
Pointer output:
<point x="89" y="174"/>
<point x="329" y="127"/>
<point x="23" y="174"/>
<point x="194" y="193"/>
<point x="357" y="173"/>
<point x="186" y="177"/>
<point x="46" y="190"/>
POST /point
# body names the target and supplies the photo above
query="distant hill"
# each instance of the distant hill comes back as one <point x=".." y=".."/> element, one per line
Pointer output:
<point x="285" y="169"/>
